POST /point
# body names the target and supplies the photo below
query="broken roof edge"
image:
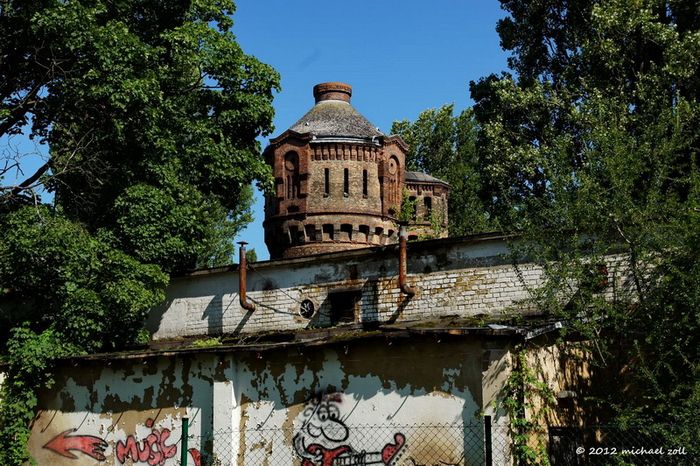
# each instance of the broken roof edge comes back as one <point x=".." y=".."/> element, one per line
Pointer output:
<point x="343" y="334"/>
<point x="336" y="335"/>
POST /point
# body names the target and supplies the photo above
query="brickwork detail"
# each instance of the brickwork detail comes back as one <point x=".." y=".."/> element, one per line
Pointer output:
<point x="340" y="189"/>
<point x="460" y="281"/>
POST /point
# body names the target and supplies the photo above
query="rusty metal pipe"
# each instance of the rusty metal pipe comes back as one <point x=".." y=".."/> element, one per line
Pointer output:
<point x="403" y="237"/>
<point x="242" y="282"/>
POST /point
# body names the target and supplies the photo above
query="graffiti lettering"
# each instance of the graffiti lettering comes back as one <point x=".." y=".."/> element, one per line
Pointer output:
<point x="153" y="450"/>
<point x="327" y="434"/>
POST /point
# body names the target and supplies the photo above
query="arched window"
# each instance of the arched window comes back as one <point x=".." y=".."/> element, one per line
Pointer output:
<point x="393" y="179"/>
<point x="346" y="182"/>
<point x="291" y="171"/>
<point x="428" y="206"/>
<point x="364" y="183"/>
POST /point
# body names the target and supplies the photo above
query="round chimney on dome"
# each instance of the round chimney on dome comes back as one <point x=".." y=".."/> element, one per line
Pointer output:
<point x="332" y="91"/>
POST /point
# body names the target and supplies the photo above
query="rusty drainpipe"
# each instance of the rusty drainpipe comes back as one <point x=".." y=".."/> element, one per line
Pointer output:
<point x="242" y="282"/>
<point x="403" y="235"/>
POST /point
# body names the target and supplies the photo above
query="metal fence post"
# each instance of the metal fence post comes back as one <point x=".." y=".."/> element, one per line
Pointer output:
<point x="183" y="441"/>
<point x="488" y="457"/>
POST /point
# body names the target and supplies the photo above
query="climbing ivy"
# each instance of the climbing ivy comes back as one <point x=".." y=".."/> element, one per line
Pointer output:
<point x="526" y="400"/>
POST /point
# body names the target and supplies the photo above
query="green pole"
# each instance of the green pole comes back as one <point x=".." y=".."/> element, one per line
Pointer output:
<point x="183" y="442"/>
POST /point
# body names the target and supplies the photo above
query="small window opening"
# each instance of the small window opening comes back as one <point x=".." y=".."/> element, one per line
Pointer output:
<point x="364" y="183"/>
<point x="346" y="182"/>
<point x="310" y="232"/>
<point x="428" y="204"/>
<point x="344" y="306"/>
<point x="294" y="234"/>
<point x="346" y="228"/>
<point x="364" y="232"/>
<point x="291" y="165"/>
<point x="327" y="182"/>
<point x="327" y="232"/>
<point x="414" y="207"/>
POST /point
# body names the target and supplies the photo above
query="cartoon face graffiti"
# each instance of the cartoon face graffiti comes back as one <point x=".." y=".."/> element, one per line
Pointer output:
<point x="323" y="420"/>
<point x="322" y="439"/>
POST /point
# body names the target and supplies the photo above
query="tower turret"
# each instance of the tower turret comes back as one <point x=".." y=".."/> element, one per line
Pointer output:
<point x="338" y="180"/>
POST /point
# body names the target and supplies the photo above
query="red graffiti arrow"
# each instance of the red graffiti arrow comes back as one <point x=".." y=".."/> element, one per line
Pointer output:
<point x="88" y="444"/>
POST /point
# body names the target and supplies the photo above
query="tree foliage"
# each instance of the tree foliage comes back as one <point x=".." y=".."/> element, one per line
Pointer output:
<point x="590" y="148"/>
<point x="147" y="107"/>
<point x="150" y="111"/>
<point x="444" y="145"/>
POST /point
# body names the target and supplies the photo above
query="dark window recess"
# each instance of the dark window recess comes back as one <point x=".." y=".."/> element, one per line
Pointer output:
<point x="344" y="306"/>
<point x="294" y="234"/>
<point x="326" y="181"/>
<point x="347" y="229"/>
<point x="364" y="183"/>
<point x="327" y="232"/>
<point x="364" y="229"/>
<point x="291" y="164"/>
<point x="428" y="204"/>
<point x="346" y="182"/>
<point x="310" y="232"/>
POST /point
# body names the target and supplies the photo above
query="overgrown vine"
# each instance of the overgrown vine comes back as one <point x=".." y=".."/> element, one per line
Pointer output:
<point x="522" y="391"/>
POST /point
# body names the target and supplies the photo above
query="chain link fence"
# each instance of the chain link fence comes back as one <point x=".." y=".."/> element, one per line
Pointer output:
<point x="457" y="444"/>
<point x="309" y="445"/>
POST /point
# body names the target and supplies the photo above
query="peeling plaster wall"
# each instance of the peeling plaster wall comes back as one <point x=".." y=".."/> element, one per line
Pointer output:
<point x="452" y="278"/>
<point x="98" y="405"/>
<point x="262" y="406"/>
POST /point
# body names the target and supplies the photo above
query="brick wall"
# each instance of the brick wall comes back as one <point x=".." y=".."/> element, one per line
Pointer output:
<point x="454" y="277"/>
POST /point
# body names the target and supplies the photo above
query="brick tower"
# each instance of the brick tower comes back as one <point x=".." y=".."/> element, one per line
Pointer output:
<point x="338" y="181"/>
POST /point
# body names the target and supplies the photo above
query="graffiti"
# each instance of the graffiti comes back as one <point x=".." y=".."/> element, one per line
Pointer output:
<point x="196" y="456"/>
<point x="153" y="450"/>
<point x="88" y="444"/>
<point x="322" y="438"/>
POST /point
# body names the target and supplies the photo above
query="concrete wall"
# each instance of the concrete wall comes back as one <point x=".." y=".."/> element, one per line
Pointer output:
<point x="452" y="277"/>
<point x="416" y="401"/>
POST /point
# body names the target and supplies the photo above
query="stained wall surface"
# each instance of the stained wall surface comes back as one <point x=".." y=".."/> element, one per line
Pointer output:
<point x="375" y="397"/>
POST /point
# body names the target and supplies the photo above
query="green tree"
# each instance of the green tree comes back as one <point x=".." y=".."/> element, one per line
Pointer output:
<point x="150" y="111"/>
<point x="590" y="148"/>
<point x="444" y="146"/>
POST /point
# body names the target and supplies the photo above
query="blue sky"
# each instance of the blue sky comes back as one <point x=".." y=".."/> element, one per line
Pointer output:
<point x="400" y="57"/>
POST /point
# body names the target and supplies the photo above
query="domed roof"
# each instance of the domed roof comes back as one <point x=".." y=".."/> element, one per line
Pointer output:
<point x="333" y="116"/>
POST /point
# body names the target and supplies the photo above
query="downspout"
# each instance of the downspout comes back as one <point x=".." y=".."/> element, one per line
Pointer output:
<point x="242" y="282"/>
<point x="403" y="236"/>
